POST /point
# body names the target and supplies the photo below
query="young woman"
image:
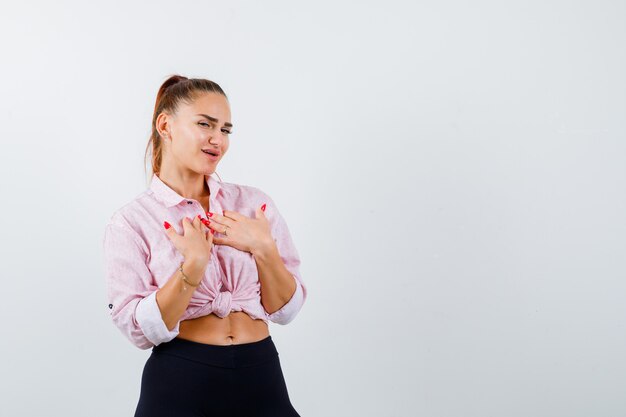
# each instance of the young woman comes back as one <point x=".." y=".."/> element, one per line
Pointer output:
<point x="195" y="269"/>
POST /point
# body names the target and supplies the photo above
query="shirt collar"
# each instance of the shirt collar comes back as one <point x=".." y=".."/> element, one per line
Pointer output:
<point x="171" y="198"/>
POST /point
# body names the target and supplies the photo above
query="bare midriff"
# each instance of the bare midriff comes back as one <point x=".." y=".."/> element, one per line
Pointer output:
<point x="236" y="328"/>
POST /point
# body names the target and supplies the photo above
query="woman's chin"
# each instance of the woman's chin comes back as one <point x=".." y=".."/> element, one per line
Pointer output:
<point x="204" y="170"/>
<point x="210" y="170"/>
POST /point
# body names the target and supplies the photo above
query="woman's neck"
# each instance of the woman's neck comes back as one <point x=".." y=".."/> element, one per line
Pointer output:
<point x="188" y="184"/>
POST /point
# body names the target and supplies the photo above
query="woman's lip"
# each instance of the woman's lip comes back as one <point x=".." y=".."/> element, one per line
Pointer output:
<point x="211" y="157"/>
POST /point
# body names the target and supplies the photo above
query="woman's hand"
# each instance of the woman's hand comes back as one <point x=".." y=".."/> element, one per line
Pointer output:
<point x="195" y="242"/>
<point x="243" y="233"/>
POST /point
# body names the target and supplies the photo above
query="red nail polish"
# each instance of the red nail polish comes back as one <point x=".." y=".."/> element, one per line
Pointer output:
<point x="263" y="207"/>
<point x="212" y="231"/>
<point x="210" y="214"/>
<point x="166" y="225"/>
<point x="200" y="217"/>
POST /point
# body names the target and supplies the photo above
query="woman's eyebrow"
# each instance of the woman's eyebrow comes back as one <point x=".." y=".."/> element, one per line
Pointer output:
<point x="213" y="119"/>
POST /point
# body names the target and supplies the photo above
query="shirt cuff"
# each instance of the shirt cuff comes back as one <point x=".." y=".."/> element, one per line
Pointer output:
<point x="151" y="322"/>
<point x="289" y="311"/>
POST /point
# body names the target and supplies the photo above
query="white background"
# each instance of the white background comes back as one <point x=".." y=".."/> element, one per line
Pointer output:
<point x="452" y="174"/>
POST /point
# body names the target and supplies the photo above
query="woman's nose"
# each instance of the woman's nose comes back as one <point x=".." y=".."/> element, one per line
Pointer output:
<point x="214" y="138"/>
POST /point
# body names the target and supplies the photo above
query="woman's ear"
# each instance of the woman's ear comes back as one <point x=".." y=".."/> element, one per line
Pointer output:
<point x="163" y="125"/>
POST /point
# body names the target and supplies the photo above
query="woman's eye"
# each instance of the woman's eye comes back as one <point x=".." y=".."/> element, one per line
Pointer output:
<point x="228" y="132"/>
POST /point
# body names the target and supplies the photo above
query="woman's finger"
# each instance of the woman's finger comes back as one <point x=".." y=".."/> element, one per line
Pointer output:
<point x="187" y="225"/>
<point x="236" y="216"/>
<point x="216" y="218"/>
<point x="169" y="230"/>
<point x="204" y="222"/>
<point x="197" y="224"/>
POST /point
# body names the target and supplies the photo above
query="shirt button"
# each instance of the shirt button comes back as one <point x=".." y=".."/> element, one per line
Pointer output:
<point x="189" y="202"/>
<point x="110" y="305"/>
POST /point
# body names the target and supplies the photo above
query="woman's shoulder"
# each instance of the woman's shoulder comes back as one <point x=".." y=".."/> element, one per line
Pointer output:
<point x="130" y="213"/>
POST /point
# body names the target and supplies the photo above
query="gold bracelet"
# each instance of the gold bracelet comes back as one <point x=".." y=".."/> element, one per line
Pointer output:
<point x="185" y="277"/>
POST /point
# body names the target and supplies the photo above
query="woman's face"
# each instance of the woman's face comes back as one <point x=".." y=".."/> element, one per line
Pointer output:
<point x="196" y="128"/>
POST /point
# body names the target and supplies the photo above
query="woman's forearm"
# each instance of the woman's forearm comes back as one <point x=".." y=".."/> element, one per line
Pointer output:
<point x="172" y="298"/>
<point x="277" y="284"/>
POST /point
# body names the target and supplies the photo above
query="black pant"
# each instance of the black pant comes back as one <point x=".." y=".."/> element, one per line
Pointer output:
<point x="182" y="378"/>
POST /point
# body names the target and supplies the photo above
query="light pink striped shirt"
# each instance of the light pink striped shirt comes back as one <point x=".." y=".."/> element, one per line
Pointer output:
<point x="140" y="258"/>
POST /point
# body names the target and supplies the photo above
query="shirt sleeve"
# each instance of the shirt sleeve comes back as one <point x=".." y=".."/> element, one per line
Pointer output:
<point x="131" y="290"/>
<point x="290" y="256"/>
